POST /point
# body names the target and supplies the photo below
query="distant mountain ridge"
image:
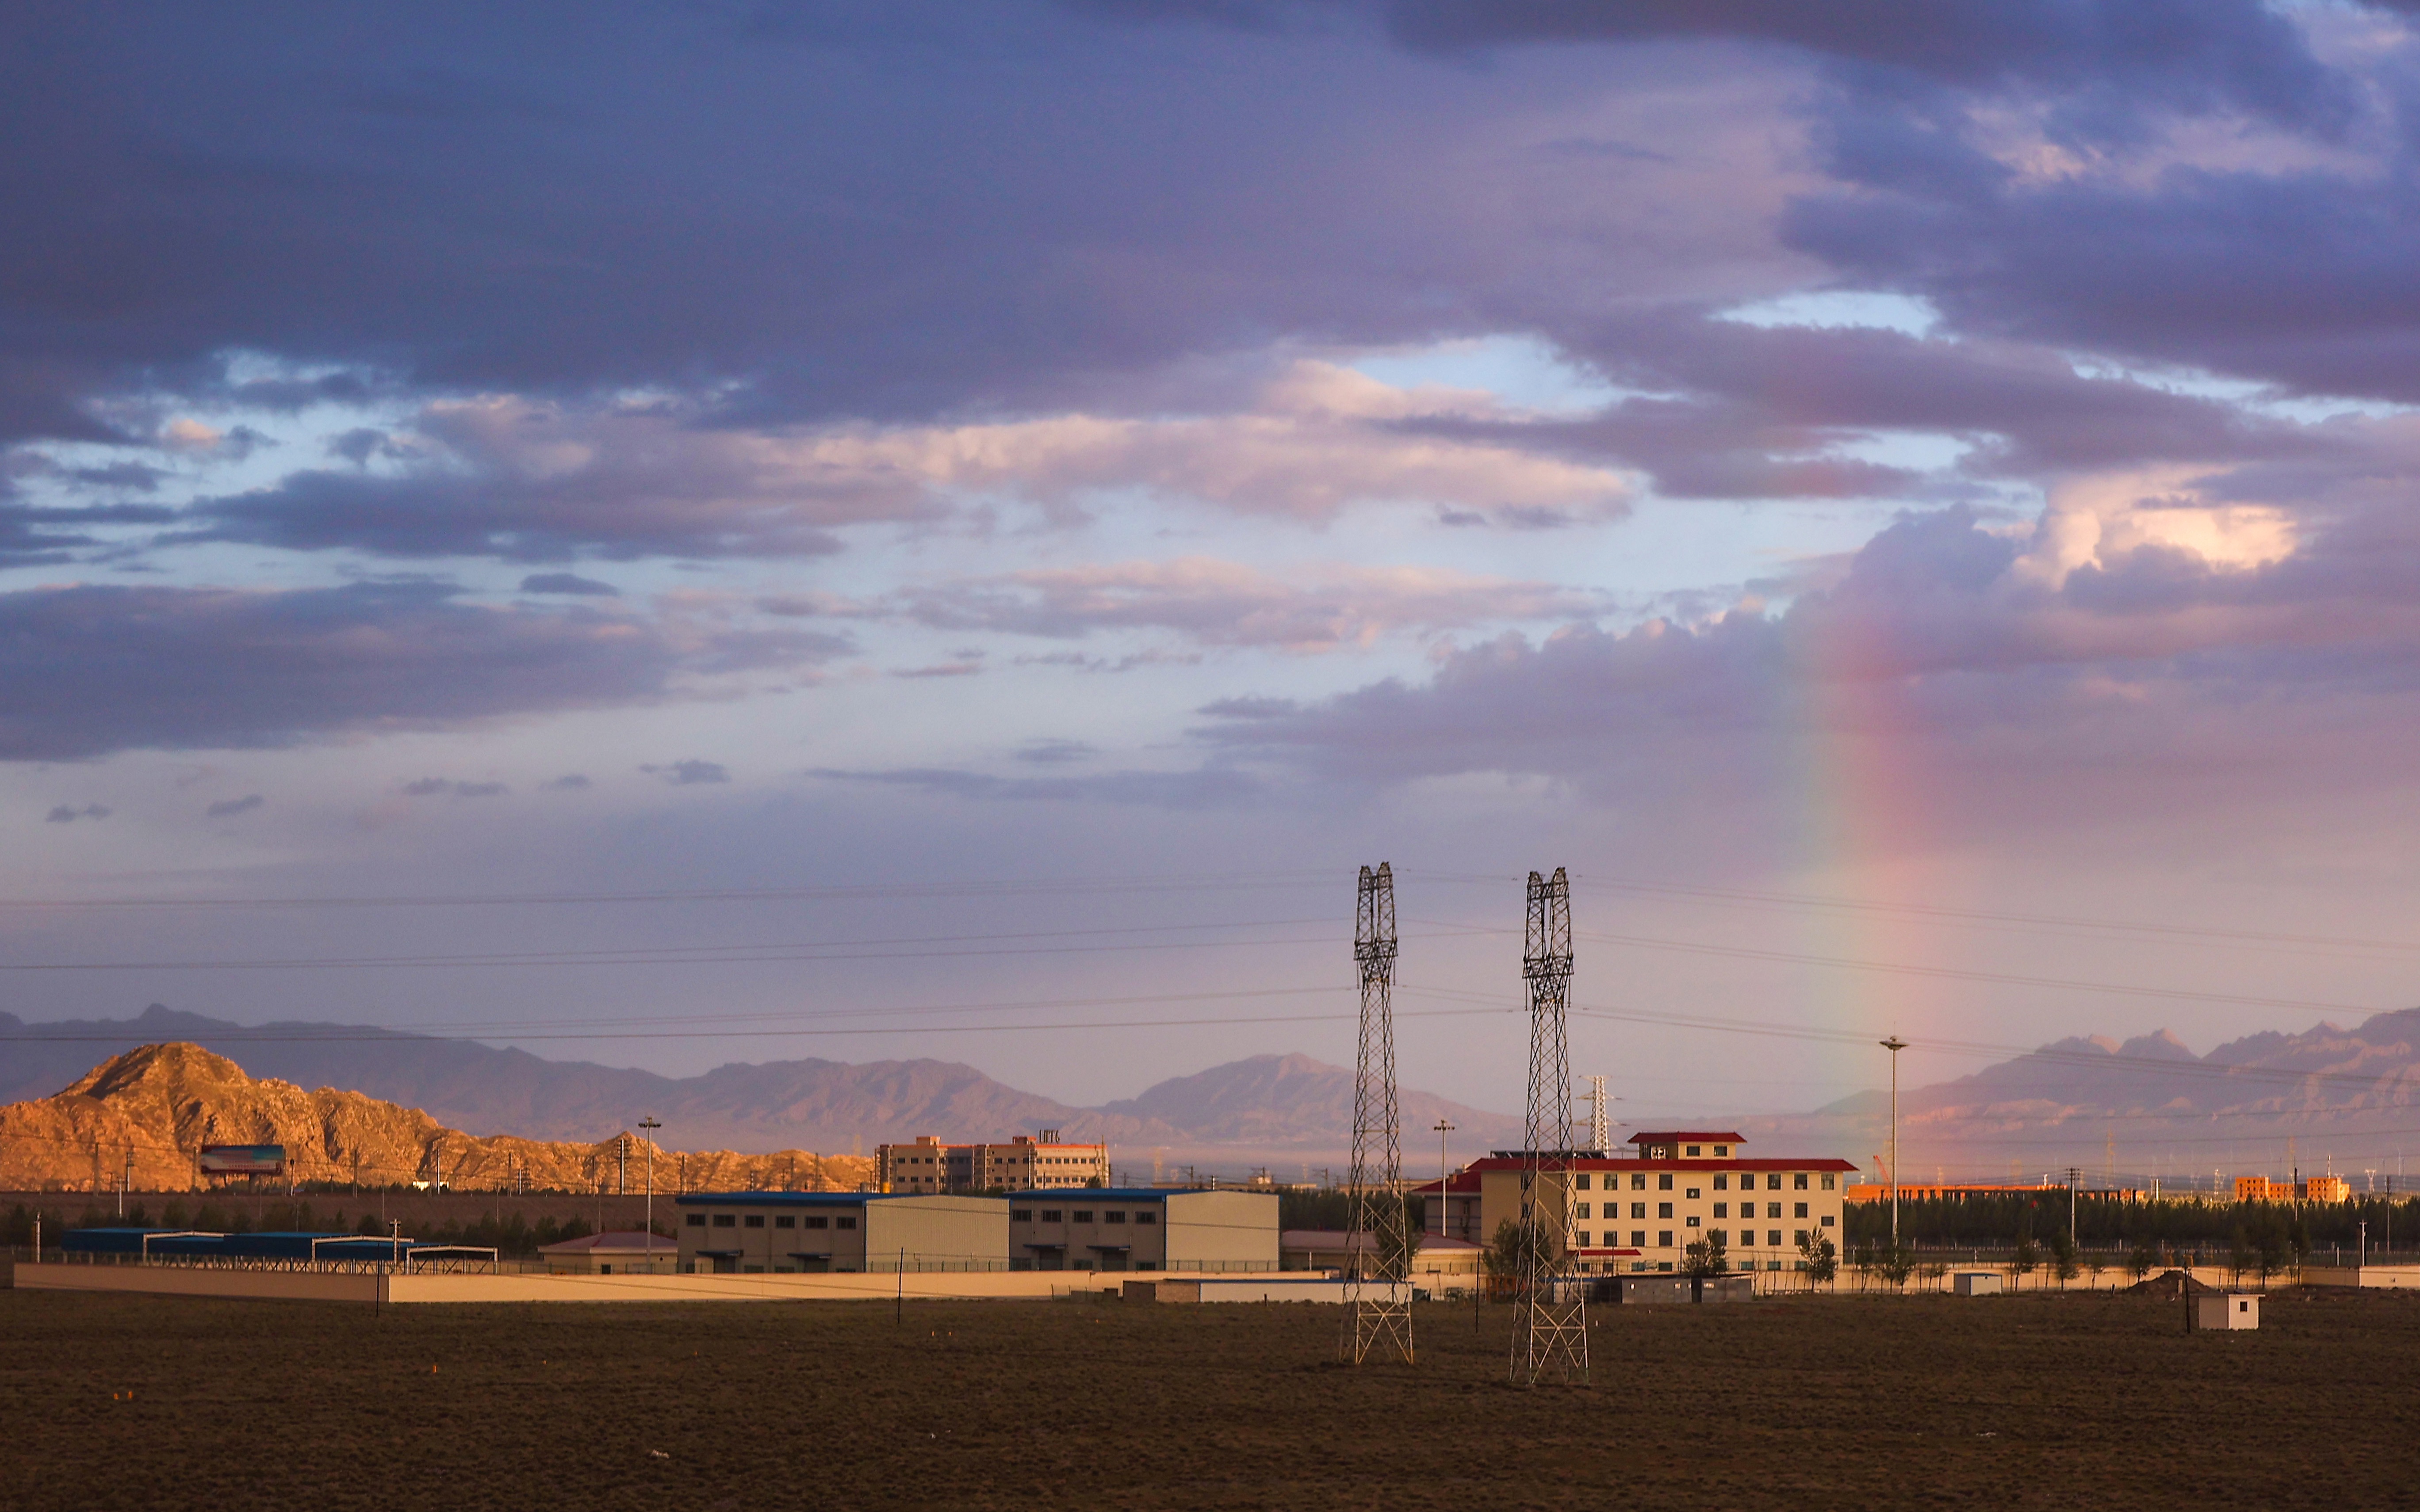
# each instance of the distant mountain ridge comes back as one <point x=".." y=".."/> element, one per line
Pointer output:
<point x="1264" y="1108"/>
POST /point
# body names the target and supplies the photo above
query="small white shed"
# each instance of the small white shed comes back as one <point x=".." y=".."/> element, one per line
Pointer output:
<point x="2216" y="1310"/>
<point x="1977" y="1283"/>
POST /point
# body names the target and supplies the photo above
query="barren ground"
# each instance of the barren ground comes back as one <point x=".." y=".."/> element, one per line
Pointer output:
<point x="2075" y="1401"/>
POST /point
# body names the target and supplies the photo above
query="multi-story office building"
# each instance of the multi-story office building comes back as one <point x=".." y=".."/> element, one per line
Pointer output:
<point x="1641" y="1213"/>
<point x="1021" y="1165"/>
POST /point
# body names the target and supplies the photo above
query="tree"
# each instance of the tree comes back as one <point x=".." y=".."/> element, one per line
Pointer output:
<point x="2062" y="1253"/>
<point x="2140" y="1262"/>
<point x="1898" y="1264"/>
<point x="1823" y="1260"/>
<point x="1704" y="1258"/>
<point x="1513" y="1247"/>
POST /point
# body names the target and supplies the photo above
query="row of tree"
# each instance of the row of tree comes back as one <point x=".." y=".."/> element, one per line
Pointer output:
<point x="2105" y="1221"/>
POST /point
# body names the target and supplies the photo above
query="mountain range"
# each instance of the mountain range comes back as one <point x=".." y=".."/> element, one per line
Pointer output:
<point x="1262" y="1109"/>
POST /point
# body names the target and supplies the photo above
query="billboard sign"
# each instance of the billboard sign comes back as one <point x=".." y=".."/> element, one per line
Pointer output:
<point x="243" y="1160"/>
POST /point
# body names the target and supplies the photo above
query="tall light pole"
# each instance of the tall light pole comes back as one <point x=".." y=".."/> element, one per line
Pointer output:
<point x="1445" y="1211"/>
<point x="650" y="1125"/>
<point x="1894" y="1045"/>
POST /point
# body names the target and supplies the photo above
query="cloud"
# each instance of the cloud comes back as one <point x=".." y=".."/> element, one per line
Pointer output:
<point x="563" y="582"/>
<point x="199" y="668"/>
<point x="1984" y="679"/>
<point x="66" y="815"/>
<point x="31" y="536"/>
<point x="1056" y="752"/>
<point x="1213" y="602"/>
<point x="569" y="782"/>
<point x="1206" y="788"/>
<point x="438" y="787"/>
<point x="229" y="808"/>
<point x="690" y="773"/>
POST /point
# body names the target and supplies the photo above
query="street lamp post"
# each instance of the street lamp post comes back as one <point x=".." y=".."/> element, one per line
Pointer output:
<point x="1894" y="1045"/>
<point x="650" y="1125"/>
<point x="1445" y="1211"/>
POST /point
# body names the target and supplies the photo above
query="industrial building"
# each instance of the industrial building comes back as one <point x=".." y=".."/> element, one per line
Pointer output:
<point x="623" y="1253"/>
<point x="750" y="1233"/>
<point x="1144" y="1228"/>
<point x="2309" y="1189"/>
<point x="1619" y="1214"/>
<point x="1022" y="1165"/>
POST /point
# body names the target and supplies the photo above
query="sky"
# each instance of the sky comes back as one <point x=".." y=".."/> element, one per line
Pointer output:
<point x="679" y="533"/>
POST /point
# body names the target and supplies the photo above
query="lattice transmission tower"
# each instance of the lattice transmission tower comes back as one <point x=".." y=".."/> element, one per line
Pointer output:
<point x="1377" y="1286"/>
<point x="1550" y="1335"/>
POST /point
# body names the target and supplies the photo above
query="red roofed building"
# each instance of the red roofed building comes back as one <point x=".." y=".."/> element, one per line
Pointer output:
<point x="1641" y="1213"/>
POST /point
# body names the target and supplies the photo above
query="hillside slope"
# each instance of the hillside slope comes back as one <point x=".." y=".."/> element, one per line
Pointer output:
<point x="157" y="1105"/>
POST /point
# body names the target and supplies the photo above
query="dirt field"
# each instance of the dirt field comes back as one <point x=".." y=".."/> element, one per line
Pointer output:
<point x="2059" y="1402"/>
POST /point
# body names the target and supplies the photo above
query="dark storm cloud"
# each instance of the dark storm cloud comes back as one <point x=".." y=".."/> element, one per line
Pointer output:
<point x="1206" y="788"/>
<point x="32" y="537"/>
<point x="201" y="668"/>
<point x="564" y="582"/>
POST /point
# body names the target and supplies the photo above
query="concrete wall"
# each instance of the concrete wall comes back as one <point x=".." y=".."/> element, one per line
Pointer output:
<point x="1213" y="1229"/>
<point x="2393" y="1277"/>
<point x="200" y="1281"/>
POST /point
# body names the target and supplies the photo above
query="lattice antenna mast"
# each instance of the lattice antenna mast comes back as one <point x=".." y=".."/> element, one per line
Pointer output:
<point x="1600" y="1117"/>
<point x="1550" y="1335"/>
<point x="1377" y="1288"/>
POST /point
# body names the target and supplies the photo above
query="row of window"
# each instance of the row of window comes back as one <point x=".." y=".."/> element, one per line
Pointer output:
<point x="1664" y="1238"/>
<point x="1083" y="1216"/>
<point x="1722" y="1183"/>
<point x="783" y="1220"/>
<point x="1664" y="1210"/>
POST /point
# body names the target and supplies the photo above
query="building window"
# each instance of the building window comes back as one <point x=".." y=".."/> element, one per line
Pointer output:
<point x="696" y="1219"/>
<point x="1827" y="1183"/>
<point x="725" y="1220"/>
<point x="1692" y="1221"/>
<point x="785" y="1221"/>
<point x="1583" y="1209"/>
<point x="1637" y="1182"/>
<point x="1663" y="1209"/>
<point x="845" y="1223"/>
<point x="1827" y="1220"/>
<point x="1638" y="1209"/>
<point x="1021" y="1215"/>
<point x="1693" y="1152"/>
<point x="1772" y="1181"/>
<point x="1638" y="1238"/>
<point x="1083" y="1216"/>
<point x="1664" y="1238"/>
<point x="1663" y="1182"/>
<point x="818" y="1223"/>
<point x="756" y="1220"/>
<point x="1722" y="1210"/>
<point x="1773" y="1239"/>
<point x="1054" y="1215"/>
<point x="1113" y="1217"/>
<point x="1579" y="1182"/>
<point x="1691" y="1194"/>
<point x="1722" y="1151"/>
<point x="1799" y="1180"/>
<point x="1800" y="1212"/>
<point x="1798" y="1236"/>
<point x="1580" y="1239"/>
<point x="1722" y="1183"/>
<point x="1146" y="1217"/>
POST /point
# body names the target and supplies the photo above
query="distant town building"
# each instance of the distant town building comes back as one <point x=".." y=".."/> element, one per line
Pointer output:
<point x="747" y="1233"/>
<point x="2311" y="1189"/>
<point x="1022" y="1165"/>
<point x="611" y="1254"/>
<point x="1142" y="1228"/>
<point x="1615" y="1214"/>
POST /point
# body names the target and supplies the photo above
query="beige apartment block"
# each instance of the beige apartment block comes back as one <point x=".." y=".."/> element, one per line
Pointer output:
<point x="752" y="1233"/>
<point x="1142" y="1228"/>
<point x="1021" y="1165"/>
<point x="1615" y="1214"/>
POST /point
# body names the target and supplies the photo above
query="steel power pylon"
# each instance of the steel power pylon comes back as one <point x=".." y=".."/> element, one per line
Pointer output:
<point x="1377" y="1286"/>
<point x="1550" y="1335"/>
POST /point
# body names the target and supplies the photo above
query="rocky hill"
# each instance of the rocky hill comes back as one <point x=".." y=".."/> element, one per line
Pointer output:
<point x="159" y="1104"/>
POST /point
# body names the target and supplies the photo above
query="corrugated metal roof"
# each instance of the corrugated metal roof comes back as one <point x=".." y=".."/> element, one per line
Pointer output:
<point x="631" y="1242"/>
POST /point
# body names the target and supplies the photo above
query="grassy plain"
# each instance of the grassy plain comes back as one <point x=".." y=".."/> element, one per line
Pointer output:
<point x="2054" y="1402"/>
